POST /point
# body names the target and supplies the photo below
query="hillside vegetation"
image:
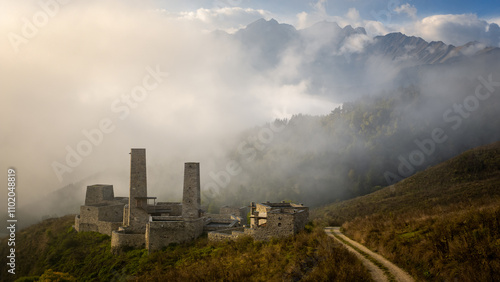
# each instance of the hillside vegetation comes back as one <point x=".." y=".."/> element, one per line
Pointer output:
<point x="53" y="250"/>
<point x="440" y="224"/>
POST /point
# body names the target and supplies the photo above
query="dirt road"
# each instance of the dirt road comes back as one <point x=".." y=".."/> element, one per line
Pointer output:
<point x="380" y="268"/>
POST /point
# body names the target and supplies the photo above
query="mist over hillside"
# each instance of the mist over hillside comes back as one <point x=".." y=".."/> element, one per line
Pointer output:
<point x="271" y="112"/>
<point x="427" y="103"/>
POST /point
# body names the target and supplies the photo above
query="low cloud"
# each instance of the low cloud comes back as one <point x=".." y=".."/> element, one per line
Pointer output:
<point x="72" y="71"/>
<point x="456" y="29"/>
<point x="407" y="9"/>
<point x="229" y="19"/>
<point x="355" y="44"/>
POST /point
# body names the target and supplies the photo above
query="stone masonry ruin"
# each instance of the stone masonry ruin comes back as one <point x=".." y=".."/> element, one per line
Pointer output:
<point x="139" y="221"/>
<point x="268" y="220"/>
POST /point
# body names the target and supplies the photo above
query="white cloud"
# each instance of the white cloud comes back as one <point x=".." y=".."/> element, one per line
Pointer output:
<point x="229" y="19"/>
<point x="355" y="43"/>
<point x="494" y="20"/>
<point x="318" y="13"/>
<point x="302" y="20"/>
<point x="408" y="9"/>
<point x="320" y="8"/>
<point x="456" y="29"/>
<point x="374" y="28"/>
<point x="353" y="15"/>
<point x="472" y="49"/>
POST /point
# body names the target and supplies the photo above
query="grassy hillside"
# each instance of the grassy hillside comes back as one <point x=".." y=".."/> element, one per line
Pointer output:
<point x="53" y="250"/>
<point x="442" y="223"/>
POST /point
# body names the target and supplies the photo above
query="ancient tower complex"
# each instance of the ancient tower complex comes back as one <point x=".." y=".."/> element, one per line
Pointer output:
<point x="140" y="221"/>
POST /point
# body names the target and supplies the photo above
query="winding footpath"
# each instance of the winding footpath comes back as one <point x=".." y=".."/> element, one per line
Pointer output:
<point x="380" y="268"/>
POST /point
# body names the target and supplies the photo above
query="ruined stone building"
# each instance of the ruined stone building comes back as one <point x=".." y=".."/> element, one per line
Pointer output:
<point x="268" y="220"/>
<point x="140" y="221"/>
<point x="102" y="212"/>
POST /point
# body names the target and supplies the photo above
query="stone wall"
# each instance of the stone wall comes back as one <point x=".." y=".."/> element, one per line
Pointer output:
<point x="87" y="227"/>
<point x="89" y="214"/>
<point x="160" y="234"/>
<point x="107" y="228"/>
<point x="218" y="236"/>
<point x="137" y="220"/>
<point x="92" y="214"/>
<point x="102" y="219"/>
<point x="111" y="213"/>
<point x="121" y="239"/>
<point x="102" y="227"/>
<point x="301" y="219"/>
<point x="227" y="234"/>
<point x="280" y="225"/>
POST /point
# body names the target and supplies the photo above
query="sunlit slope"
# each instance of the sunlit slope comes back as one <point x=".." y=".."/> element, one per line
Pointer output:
<point x="470" y="178"/>
<point x="440" y="224"/>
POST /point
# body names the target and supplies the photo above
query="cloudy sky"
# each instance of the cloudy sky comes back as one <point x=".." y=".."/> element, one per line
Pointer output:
<point x="454" y="22"/>
<point x="149" y="74"/>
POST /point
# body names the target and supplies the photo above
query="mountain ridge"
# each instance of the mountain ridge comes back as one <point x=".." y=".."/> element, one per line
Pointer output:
<point x="395" y="45"/>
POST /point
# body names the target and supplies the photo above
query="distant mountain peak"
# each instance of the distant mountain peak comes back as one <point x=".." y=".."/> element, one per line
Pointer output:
<point x="348" y="27"/>
<point x="273" y="21"/>
<point x="263" y="23"/>
<point x="326" y="24"/>
<point x="360" y="30"/>
<point x="349" y="30"/>
<point x="326" y="28"/>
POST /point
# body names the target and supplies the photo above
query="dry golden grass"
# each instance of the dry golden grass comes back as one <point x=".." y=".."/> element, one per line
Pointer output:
<point x="440" y="224"/>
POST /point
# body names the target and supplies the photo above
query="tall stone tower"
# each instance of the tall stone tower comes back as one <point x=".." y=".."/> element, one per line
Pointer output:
<point x="138" y="179"/>
<point x="137" y="216"/>
<point x="191" y="199"/>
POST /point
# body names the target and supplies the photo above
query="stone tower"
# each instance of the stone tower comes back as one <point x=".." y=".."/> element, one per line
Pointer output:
<point x="138" y="179"/>
<point x="191" y="199"/>
<point x="137" y="216"/>
<point x="99" y="193"/>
